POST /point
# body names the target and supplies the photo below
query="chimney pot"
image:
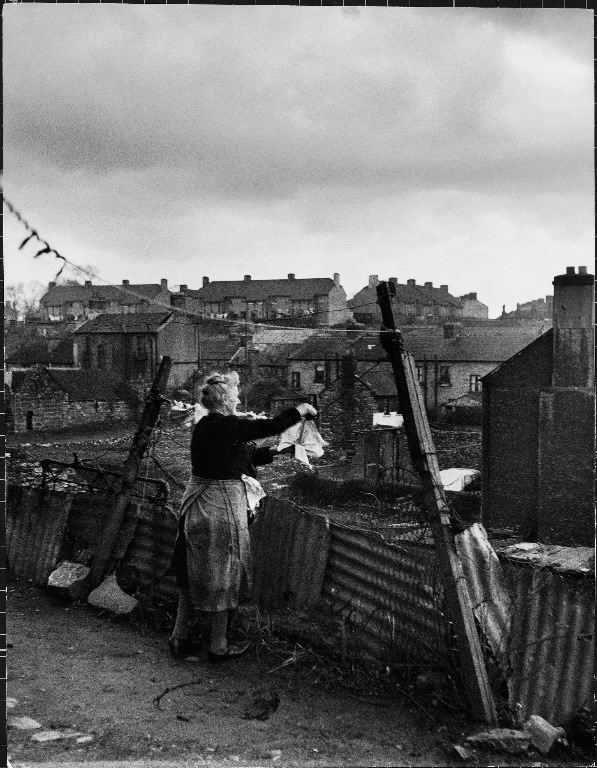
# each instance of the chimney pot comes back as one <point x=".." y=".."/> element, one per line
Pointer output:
<point x="247" y="278"/>
<point x="205" y="281"/>
<point x="570" y="270"/>
<point x="291" y="276"/>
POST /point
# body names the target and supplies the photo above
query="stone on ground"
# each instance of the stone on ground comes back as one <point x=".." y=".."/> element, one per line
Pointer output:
<point x="110" y="597"/>
<point x="23" y="723"/>
<point x="501" y="740"/>
<point x="70" y="578"/>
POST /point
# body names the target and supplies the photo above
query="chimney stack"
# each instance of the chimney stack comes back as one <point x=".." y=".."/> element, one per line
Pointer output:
<point x="428" y="285"/>
<point x="164" y="282"/>
<point x="337" y="278"/>
<point x="183" y="288"/>
<point x="205" y="281"/>
<point x="411" y="282"/>
<point x="373" y="280"/>
<point x="573" y="325"/>
<point x="444" y="288"/>
<point x="51" y="285"/>
<point x="125" y="283"/>
<point x="291" y="276"/>
<point x="394" y="280"/>
<point x="87" y="283"/>
<point x="247" y="278"/>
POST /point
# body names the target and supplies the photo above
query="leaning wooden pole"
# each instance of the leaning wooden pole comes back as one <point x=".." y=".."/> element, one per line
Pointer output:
<point x="424" y="458"/>
<point x="149" y="418"/>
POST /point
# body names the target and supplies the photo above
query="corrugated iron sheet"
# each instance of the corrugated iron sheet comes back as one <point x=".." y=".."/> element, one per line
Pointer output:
<point x="552" y="642"/>
<point x="290" y="553"/>
<point x="35" y="525"/>
<point x="487" y="588"/>
<point x="388" y="593"/>
<point x="150" y="553"/>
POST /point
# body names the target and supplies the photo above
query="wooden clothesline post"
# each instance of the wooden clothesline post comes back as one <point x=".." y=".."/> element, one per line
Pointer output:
<point x="424" y="459"/>
<point x="149" y="418"/>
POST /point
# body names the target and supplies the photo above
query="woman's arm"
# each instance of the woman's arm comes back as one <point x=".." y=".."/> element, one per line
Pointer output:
<point x="254" y="429"/>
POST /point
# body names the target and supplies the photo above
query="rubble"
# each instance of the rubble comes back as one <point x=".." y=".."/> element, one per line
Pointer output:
<point x="501" y="740"/>
<point x="70" y="579"/>
<point x="23" y="723"/>
<point x="110" y="597"/>
<point x="44" y="736"/>
<point x="543" y="734"/>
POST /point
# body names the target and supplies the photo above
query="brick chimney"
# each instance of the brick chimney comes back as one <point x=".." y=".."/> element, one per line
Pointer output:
<point x="452" y="330"/>
<point x="291" y="276"/>
<point x="205" y="281"/>
<point x="373" y="280"/>
<point x="247" y="278"/>
<point x="51" y="285"/>
<point x="183" y="288"/>
<point x="428" y="285"/>
<point x="444" y="288"/>
<point x="411" y="282"/>
<point x="394" y="280"/>
<point x="164" y="283"/>
<point x="87" y="283"/>
<point x="573" y="324"/>
<point x="337" y="278"/>
<point x="125" y="283"/>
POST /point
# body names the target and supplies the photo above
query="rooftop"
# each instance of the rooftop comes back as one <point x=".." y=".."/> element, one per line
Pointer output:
<point x="136" y="322"/>
<point x="262" y="290"/>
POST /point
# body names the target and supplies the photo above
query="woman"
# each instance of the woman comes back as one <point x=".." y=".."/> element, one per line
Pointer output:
<point x="212" y="553"/>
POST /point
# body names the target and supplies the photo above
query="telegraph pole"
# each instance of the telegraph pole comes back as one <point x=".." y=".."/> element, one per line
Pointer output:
<point x="424" y="459"/>
<point x="149" y="418"/>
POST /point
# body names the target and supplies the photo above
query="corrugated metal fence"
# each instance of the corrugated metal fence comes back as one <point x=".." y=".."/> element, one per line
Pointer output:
<point x="386" y="596"/>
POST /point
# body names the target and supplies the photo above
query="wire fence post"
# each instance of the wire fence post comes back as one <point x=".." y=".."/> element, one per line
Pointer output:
<point x="424" y="459"/>
<point x="126" y="484"/>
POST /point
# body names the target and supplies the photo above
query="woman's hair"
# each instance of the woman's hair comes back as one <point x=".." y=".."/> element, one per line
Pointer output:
<point x="215" y="392"/>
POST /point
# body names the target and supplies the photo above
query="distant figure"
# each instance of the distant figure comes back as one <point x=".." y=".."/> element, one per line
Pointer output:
<point x="212" y="555"/>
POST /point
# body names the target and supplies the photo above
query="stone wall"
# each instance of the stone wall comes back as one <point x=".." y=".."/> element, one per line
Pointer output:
<point x="52" y="410"/>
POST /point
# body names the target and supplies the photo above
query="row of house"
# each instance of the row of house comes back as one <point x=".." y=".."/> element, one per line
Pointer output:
<point x="321" y="300"/>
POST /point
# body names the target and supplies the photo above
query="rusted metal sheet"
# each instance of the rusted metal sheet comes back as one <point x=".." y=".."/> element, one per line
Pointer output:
<point x="389" y="594"/>
<point x="290" y="552"/>
<point x="552" y="640"/>
<point x="35" y="525"/>
<point x="487" y="589"/>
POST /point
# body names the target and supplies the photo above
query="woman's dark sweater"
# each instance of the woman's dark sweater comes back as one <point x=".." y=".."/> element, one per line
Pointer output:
<point x="219" y="449"/>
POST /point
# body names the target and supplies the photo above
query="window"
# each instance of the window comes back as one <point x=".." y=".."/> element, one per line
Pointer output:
<point x="295" y="380"/>
<point x="444" y="376"/>
<point x="101" y="357"/>
<point x="420" y="374"/>
<point x="474" y="382"/>
<point x="319" y="377"/>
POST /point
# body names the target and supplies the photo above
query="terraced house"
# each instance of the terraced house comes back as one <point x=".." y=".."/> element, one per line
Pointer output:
<point x="322" y="299"/>
<point x="63" y="303"/>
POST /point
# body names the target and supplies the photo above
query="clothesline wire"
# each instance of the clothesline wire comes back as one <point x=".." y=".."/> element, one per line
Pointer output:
<point x="128" y="291"/>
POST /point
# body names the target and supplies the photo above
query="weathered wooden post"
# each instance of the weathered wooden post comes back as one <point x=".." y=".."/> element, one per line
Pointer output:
<point x="424" y="459"/>
<point x="151" y="412"/>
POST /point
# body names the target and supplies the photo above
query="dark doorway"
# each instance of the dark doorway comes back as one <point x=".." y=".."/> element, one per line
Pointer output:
<point x="29" y="418"/>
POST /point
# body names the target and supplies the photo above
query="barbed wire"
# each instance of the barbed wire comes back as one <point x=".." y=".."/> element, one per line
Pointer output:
<point x="128" y="291"/>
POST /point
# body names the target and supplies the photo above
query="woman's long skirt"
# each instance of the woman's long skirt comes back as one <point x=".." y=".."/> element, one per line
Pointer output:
<point x="212" y="556"/>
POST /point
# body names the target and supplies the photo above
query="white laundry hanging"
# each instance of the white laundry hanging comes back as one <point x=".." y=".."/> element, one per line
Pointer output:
<point x="307" y="441"/>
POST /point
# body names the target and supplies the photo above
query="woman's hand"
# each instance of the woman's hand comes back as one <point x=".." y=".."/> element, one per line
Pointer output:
<point x="306" y="410"/>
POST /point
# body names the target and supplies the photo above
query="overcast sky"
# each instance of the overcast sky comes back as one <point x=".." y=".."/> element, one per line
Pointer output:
<point x="452" y="146"/>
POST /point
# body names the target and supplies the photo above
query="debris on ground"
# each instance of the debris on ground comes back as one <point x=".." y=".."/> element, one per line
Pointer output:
<point x="69" y="579"/>
<point x="110" y="597"/>
<point x="464" y="753"/>
<point x="264" y="704"/>
<point x="23" y="723"/>
<point x="543" y="734"/>
<point x="509" y="740"/>
<point x="11" y="703"/>
<point x="44" y="736"/>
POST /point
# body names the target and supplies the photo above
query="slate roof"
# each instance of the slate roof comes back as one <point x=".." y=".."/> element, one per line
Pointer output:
<point x="90" y="384"/>
<point x="38" y="352"/>
<point x="262" y="290"/>
<point x="406" y="294"/>
<point x="218" y="349"/>
<point x="60" y="294"/>
<point x="136" y="322"/>
<point x="381" y="380"/>
<point x="322" y="348"/>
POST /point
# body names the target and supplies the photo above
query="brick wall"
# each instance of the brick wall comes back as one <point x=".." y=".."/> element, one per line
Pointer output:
<point x="343" y="411"/>
<point x="52" y="410"/>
